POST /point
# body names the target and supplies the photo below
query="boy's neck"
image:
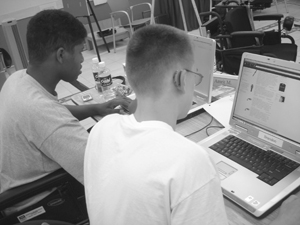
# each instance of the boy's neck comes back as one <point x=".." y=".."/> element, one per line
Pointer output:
<point x="45" y="76"/>
<point x="160" y="110"/>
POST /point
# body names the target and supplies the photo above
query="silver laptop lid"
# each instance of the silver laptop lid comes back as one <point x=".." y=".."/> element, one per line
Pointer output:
<point x="204" y="55"/>
<point x="266" y="103"/>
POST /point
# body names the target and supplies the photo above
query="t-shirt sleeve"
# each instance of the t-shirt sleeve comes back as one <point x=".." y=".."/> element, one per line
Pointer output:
<point x="205" y="206"/>
<point x="65" y="143"/>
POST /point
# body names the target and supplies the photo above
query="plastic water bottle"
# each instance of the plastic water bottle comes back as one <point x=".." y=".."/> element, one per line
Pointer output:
<point x="105" y="80"/>
<point x="95" y="70"/>
<point x="125" y="76"/>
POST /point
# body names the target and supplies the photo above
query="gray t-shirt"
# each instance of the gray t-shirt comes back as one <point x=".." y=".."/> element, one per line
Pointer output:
<point x="38" y="135"/>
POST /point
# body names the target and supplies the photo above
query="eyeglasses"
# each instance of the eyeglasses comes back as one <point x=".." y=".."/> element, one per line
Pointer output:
<point x="198" y="78"/>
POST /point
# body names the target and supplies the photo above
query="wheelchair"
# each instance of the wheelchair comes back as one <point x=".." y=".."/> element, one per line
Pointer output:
<point x="236" y="34"/>
<point x="63" y="200"/>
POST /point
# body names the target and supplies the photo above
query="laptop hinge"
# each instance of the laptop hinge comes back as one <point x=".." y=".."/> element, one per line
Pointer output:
<point x="242" y="128"/>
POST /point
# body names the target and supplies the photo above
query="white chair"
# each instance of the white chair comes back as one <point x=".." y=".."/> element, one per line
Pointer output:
<point x="201" y="31"/>
<point x="121" y="7"/>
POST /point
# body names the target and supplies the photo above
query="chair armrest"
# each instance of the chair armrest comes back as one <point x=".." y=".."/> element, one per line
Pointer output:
<point x="216" y="17"/>
<point x="117" y="12"/>
<point x="258" y="34"/>
<point x="288" y="37"/>
<point x="247" y="34"/>
<point x="223" y="39"/>
<point x="268" y="17"/>
<point x="212" y="14"/>
<point x="17" y="194"/>
<point x="207" y="23"/>
<point x="232" y="1"/>
<point x="227" y="6"/>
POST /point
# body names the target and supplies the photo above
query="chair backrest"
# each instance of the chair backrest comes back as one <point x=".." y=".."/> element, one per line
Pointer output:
<point x="239" y="19"/>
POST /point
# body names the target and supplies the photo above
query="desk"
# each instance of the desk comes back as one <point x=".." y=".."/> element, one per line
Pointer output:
<point x="203" y="120"/>
<point x="236" y="215"/>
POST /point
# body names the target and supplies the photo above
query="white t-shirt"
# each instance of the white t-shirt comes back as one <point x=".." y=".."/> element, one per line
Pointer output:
<point x="145" y="173"/>
<point x="38" y="135"/>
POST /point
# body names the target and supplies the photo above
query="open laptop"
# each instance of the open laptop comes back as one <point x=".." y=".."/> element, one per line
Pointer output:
<point x="204" y="56"/>
<point x="266" y="114"/>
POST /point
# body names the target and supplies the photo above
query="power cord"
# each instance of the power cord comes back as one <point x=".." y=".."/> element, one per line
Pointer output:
<point x="212" y="118"/>
<point x="206" y="130"/>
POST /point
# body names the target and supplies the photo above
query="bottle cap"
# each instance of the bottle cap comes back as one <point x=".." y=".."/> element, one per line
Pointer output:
<point x="101" y="64"/>
<point x="95" y="60"/>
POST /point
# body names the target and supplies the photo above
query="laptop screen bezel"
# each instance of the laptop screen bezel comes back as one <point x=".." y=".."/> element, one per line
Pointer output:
<point x="254" y="129"/>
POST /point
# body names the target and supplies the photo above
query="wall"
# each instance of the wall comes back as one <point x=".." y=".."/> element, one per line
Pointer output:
<point x="79" y="7"/>
<point x="22" y="25"/>
<point x="22" y="11"/>
<point x="75" y="7"/>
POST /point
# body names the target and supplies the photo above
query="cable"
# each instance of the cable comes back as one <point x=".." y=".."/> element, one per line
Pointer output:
<point x="206" y="130"/>
<point x="212" y="118"/>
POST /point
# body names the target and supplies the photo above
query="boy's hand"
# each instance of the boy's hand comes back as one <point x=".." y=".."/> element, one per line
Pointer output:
<point x="110" y="106"/>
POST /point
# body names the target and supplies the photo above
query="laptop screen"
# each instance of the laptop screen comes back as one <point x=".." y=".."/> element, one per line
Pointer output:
<point x="268" y="97"/>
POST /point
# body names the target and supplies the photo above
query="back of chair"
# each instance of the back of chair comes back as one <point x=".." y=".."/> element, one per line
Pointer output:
<point x="239" y="19"/>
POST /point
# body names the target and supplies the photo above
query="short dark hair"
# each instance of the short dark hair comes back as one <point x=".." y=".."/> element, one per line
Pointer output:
<point x="49" y="30"/>
<point x="153" y="50"/>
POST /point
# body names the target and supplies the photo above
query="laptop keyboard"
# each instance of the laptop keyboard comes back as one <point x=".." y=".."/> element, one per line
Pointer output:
<point x="270" y="166"/>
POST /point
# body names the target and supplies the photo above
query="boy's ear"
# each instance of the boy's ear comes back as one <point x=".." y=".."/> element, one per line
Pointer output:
<point x="179" y="80"/>
<point x="60" y="53"/>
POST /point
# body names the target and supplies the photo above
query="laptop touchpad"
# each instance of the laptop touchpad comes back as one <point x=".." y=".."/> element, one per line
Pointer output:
<point x="225" y="170"/>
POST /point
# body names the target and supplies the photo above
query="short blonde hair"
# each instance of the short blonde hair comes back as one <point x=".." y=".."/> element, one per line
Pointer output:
<point x="151" y="52"/>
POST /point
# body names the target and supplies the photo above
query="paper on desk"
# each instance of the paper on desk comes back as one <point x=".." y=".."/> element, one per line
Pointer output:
<point x="221" y="109"/>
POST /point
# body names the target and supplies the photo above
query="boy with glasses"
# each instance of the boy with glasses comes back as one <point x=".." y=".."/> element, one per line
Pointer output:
<point x="137" y="169"/>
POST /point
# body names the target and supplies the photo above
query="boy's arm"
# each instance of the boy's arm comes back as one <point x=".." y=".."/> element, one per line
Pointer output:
<point x="84" y="111"/>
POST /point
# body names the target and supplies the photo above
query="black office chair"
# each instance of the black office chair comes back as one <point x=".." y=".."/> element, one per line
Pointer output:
<point x="65" y="202"/>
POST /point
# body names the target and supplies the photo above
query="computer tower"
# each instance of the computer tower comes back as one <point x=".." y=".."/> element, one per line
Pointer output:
<point x="14" y="42"/>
